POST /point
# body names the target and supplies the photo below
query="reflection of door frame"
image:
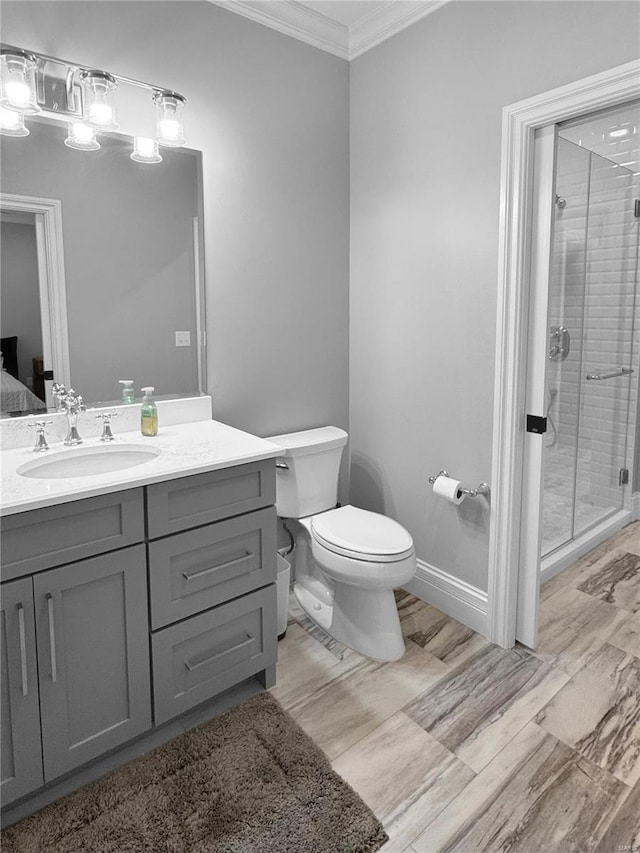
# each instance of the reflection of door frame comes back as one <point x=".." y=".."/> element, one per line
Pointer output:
<point x="51" y="278"/>
<point x="511" y="444"/>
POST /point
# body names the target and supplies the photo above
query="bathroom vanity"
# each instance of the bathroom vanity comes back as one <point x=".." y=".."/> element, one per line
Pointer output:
<point x="127" y="604"/>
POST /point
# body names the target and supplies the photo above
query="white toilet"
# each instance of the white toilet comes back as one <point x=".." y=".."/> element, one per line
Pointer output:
<point x="348" y="561"/>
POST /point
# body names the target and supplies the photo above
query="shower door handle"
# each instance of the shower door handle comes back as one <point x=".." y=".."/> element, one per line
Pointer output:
<point x="623" y="371"/>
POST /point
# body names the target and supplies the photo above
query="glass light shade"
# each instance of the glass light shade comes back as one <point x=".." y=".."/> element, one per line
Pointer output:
<point x="169" y="121"/>
<point x="12" y="123"/>
<point x="81" y="137"/>
<point x="98" y="96"/>
<point x="18" y="82"/>
<point x="145" y="150"/>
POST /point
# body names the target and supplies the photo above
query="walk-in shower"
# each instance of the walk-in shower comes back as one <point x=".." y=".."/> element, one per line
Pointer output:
<point x="592" y="369"/>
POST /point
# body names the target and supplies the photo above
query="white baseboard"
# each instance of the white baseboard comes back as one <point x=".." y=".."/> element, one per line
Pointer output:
<point x="455" y="597"/>
<point x="635" y="506"/>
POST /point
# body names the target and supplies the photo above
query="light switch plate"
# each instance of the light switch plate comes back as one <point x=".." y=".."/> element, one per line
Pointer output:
<point x="183" y="339"/>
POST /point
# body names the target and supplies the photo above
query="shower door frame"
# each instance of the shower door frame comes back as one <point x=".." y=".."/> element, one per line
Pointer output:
<point x="516" y="469"/>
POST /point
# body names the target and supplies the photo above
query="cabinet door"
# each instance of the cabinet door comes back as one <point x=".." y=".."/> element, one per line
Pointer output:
<point x="93" y="657"/>
<point x="21" y="748"/>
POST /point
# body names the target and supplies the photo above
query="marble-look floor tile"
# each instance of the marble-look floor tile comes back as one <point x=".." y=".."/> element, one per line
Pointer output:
<point x="439" y="634"/>
<point x="351" y="706"/>
<point x="537" y="796"/>
<point x="623" y="833"/>
<point x="616" y="582"/>
<point x="627" y="637"/>
<point x="477" y="709"/>
<point x="404" y="776"/>
<point x="573" y="626"/>
<point x="597" y="713"/>
<point x="304" y="666"/>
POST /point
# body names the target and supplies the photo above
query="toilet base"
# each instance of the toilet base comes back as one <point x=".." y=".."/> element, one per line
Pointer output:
<point x="364" y="620"/>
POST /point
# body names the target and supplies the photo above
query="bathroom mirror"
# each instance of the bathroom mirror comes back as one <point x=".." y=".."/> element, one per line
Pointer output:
<point x="102" y="272"/>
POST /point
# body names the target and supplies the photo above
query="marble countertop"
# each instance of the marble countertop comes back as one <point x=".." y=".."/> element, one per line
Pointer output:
<point x="190" y="448"/>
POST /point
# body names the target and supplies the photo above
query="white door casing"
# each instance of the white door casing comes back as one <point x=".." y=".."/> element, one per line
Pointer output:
<point x="51" y="276"/>
<point x="519" y="122"/>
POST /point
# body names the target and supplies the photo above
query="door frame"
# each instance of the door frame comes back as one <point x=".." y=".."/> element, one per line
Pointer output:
<point x="519" y="123"/>
<point x="51" y="282"/>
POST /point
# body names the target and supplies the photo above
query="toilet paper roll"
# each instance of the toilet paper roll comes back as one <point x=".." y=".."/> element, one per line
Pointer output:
<point x="449" y="489"/>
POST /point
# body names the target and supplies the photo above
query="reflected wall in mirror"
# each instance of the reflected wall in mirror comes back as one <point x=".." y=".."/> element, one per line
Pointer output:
<point x="101" y="267"/>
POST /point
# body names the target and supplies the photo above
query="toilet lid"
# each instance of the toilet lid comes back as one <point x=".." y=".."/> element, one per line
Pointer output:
<point x="361" y="534"/>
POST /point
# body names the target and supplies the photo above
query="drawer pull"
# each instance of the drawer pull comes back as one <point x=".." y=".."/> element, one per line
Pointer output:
<point x="194" y="663"/>
<point x="23" y="649"/>
<point x="52" y="639"/>
<point x="190" y="576"/>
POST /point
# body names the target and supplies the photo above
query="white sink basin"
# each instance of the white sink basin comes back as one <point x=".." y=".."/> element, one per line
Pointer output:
<point x="87" y="461"/>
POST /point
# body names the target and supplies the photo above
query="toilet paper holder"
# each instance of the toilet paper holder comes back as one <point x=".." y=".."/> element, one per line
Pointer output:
<point x="482" y="488"/>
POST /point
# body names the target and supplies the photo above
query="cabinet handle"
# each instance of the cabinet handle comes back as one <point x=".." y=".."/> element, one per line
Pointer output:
<point x="52" y="639"/>
<point x="190" y="576"/>
<point x="23" y="650"/>
<point x="196" y="664"/>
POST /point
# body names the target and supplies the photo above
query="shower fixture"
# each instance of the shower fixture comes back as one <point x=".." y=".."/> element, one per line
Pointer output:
<point x="559" y="343"/>
<point x="561" y="203"/>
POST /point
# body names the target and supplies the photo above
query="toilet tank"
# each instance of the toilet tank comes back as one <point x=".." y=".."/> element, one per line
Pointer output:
<point x="309" y="484"/>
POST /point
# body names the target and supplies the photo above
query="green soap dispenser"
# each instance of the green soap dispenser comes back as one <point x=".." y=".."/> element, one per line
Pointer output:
<point x="149" y="413"/>
<point x="128" y="394"/>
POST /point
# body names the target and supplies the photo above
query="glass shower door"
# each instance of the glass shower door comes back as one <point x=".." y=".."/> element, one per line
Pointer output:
<point x="592" y="304"/>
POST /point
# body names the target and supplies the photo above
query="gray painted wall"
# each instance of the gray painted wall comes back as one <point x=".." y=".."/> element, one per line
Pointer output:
<point x="271" y="117"/>
<point x="20" y="294"/>
<point x="425" y="176"/>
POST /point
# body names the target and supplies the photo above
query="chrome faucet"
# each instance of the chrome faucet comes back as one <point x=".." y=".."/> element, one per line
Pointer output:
<point x="41" y="437"/>
<point x="72" y="404"/>
<point x="59" y="391"/>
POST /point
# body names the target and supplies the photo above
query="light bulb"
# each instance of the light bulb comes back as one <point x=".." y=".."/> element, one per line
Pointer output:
<point x="81" y="137"/>
<point x="12" y="123"/>
<point x="145" y="150"/>
<point x="101" y="114"/>
<point x="170" y="128"/>
<point x="18" y="93"/>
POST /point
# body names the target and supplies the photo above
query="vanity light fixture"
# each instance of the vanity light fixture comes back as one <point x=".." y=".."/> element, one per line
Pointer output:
<point x="81" y="137"/>
<point x="98" y="93"/>
<point x="32" y="83"/>
<point x="145" y="150"/>
<point x="12" y="123"/>
<point x="18" y="81"/>
<point x="169" y="122"/>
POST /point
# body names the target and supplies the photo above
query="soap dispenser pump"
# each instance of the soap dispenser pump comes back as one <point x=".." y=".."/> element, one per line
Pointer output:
<point x="149" y="413"/>
<point x="128" y="394"/>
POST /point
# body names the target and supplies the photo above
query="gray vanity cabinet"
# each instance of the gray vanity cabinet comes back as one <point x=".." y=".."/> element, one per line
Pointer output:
<point x="21" y="755"/>
<point x="93" y="657"/>
<point x="124" y="611"/>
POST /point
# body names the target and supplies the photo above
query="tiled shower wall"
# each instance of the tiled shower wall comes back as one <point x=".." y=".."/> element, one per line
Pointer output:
<point x="593" y="294"/>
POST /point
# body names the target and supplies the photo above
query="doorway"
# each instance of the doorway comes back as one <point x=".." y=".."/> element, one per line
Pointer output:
<point x="521" y="396"/>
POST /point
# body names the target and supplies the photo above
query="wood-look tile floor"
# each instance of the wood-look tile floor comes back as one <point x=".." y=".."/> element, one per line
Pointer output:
<point x="463" y="746"/>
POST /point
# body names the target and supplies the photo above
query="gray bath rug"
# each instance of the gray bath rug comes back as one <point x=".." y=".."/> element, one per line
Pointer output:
<point x="249" y="781"/>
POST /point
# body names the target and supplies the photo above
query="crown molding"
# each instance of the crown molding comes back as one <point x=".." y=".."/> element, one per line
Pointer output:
<point x="298" y="21"/>
<point x="295" y="20"/>
<point x="386" y="22"/>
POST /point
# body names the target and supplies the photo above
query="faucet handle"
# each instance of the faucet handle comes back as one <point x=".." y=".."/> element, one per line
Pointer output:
<point x="41" y="438"/>
<point x="107" y="435"/>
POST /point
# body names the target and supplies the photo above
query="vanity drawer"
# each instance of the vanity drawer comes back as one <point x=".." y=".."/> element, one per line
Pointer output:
<point x="193" y="571"/>
<point x="194" y="501"/>
<point x="48" y="537"/>
<point x="206" y="654"/>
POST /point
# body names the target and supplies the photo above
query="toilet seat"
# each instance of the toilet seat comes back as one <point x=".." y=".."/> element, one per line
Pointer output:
<point x="361" y="535"/>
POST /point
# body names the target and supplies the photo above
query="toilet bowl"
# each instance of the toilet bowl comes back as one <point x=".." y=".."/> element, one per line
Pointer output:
<point x="347" y="560"/>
